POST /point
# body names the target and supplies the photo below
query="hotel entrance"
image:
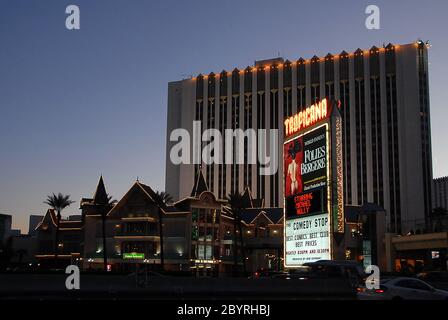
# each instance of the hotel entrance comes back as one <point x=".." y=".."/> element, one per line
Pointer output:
<point x="205" y="269"/>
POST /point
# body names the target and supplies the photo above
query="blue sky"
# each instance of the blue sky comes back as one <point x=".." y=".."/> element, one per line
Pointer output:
<point x="77" y="104"/>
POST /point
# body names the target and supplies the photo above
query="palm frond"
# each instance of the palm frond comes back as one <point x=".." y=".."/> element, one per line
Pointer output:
<point x="59" y="201"/>
<point x="163" y="197"/>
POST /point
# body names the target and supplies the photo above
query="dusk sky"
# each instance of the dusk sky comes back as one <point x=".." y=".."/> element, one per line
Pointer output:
<point x="78" y="104"/>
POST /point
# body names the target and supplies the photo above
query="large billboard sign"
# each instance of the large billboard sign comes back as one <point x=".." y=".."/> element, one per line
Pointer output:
<point x="307" y="239"/>
<point x="306" y="173"/>
<point x="313" y="210"/>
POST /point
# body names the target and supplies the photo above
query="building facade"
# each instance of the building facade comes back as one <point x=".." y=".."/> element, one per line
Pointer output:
<point x="5" y="226"/>
<point x="386" y="124"/>
<point x="197" y="233"/>
<point x="67" y="250"/>
<point x="440" y="193"/>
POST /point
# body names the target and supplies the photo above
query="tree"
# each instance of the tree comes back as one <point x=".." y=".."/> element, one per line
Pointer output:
<point x="162" y="199"/>
<point x="104" y="209"/>
<point x="236" y="207"/>
<point x="58" y="202"/>
<point x="165" y="197"/>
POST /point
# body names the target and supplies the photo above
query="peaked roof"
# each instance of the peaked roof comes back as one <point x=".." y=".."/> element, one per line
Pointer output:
<point x="247" y="198"/>
<point x="149" y="193"/>
<point x="100" y="196"/>
<point x="249" y="201"/>
<point x="153" y="195"/>
<point x="199" y="184"/>
<point x="272" y="214"/>
<point x="50" y="219"/>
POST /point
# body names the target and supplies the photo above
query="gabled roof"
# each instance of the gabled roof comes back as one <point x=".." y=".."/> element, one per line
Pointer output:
<point x="274" y="215"/>
<point x="249" y="215"/>
<point x="50" y="218"/>
<point x="145" y="190"/>
<point x="249" y="201"/>
<point x="247" y="198"/>
<point x="148" y="192"/>
<point x="186" y="203"/>
<point x="100" y="196"/>
<point x="199" y="184"/>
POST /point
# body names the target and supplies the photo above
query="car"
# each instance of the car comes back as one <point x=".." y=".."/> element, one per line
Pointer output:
<point x="438" y="279"/>
<point x="402" y="288"/>
<point x="438" y="276"/>
<point x="349" y="270"/>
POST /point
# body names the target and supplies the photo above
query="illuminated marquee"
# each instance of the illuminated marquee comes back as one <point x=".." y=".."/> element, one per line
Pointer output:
<point x="339" y="210"/>
<point x="306" y="118"/>
<point x="307" y="206"/>
<point x="313" y="185"/>
<point x="306" y="165"/>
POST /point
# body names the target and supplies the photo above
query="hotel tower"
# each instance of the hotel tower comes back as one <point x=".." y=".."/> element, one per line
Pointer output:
<point x="384" y="99"/>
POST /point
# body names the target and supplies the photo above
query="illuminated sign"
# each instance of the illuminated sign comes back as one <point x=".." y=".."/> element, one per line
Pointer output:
<point x="306" y="118"/>
<point x="307" y="239"/>
<point x="307" y="219"/>
<point x="306" y="203"/>
<point x="206" y="261"/>
<point x="313" y="185"/>
<point x="338" y="210"/>
<point x="133" y="255"/>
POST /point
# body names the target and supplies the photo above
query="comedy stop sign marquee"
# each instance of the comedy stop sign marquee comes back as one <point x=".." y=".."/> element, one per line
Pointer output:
<point x="313" y="185"/>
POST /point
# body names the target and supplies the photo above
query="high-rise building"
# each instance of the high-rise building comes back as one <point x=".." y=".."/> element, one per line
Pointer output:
<point x="5" y="226"/>
<point x="386" y="124"/>
<point x="440" y="193"/>
<point x="33" y="223"/>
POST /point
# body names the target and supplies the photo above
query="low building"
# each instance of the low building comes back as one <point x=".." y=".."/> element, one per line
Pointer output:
<point x="197" y="236"/>
<point x="198" y="232"/>
<point x="24" y="247"/>
<point x="417" y="252"/>
<point x="365" y="228"/>
<point x="67" y="250"/>
<point x="263" y="234"/>
<point x="5" y="226"/>
<point x="133" y="232"/>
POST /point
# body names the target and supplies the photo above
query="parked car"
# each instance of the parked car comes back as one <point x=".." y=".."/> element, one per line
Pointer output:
<point x="402" y="288"/>
<point x="437" y="279"/>
<point x="264" y="273"/>
<point x="436" y="276"/>
<point x="349" y="270"/>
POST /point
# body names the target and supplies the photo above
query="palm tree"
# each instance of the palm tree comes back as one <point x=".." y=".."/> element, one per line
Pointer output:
<point x="236" y="206"/>
<point x="58" y="202"/>
<point x="162" y="199"/>
<point x="165" y="197"/>
<point x="105" y="208"/>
